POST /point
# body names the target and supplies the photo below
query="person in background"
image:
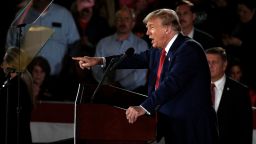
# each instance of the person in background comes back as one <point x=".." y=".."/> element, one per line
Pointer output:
<point x="141" y="9"/>
<point x="240" y="42"/>
<point x="178" y="82"/>
<point x="107" y="10"/>
<point x="221" y="16"/>
<point x="46" y="13"/>
<point x="15" y="99"/>
<point x="42" y="84"/>
<point x="235" y="71"/>
<point x="118" y="43"/>
<point x="187" y="16"/>
<point x="231" y="101"/>
<point x="91" y="26"/>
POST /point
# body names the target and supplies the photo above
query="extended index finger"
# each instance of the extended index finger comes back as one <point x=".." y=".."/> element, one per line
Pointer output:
<point x="77" y="58"/>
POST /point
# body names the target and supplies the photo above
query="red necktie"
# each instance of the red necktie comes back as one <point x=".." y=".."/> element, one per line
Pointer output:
<point x="213" y="93"/>
<point x="159" y="70"/>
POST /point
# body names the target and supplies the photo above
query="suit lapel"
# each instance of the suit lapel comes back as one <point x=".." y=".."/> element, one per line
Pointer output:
<point x="171" y="54"/>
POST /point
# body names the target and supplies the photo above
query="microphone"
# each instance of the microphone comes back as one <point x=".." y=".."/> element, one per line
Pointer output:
<point x="10" y="70"/>
<point x="21" y="25"/>
<point x="129" y="52"/>
<point x="111" y="66"/>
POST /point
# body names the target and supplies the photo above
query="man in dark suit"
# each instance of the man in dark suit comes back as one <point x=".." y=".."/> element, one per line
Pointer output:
<point x="187" y="16"/>
<point x="231" y="101"/>
<point x="180" y="94"/>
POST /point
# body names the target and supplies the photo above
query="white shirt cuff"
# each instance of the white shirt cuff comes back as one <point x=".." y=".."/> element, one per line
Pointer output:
<point x="103" y="62"/>
<point x="147" y="112"/>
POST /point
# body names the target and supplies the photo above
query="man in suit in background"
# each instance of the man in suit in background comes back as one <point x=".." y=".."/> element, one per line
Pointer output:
<point x="187" y="15"/>
<point x="231" y="101"/>
<point x="181" y="92"/>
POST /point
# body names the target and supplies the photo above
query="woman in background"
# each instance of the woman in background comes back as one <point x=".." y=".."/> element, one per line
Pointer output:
<point x="15" y="99"/>
<point x="40" y="71"/>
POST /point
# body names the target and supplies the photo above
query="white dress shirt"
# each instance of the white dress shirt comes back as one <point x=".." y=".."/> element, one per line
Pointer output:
<point x="219" y="86"/>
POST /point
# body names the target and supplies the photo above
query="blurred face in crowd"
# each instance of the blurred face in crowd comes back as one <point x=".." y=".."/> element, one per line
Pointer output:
<point x="158" y="33"/>
<point x="4" y="65"/>
<point x="127" y="3"/>
<point x="38" y="74"/>
<point x="236" y="72"/>
<point x="186" y="16"/>
<point x="221" y="3"/>
<point x="124" y="21"/>
<point x="85" y="8"/>
<point x="5" y="68"/>
<point x="141" y="5"/>
<point x="217" y="66"/>
<point x="245" y="14"/>
<point x="14" y="60"/>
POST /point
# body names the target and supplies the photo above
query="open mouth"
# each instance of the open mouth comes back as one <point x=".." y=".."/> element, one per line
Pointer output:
<point x="152" y="40"/>
<point x="85" y="12"/>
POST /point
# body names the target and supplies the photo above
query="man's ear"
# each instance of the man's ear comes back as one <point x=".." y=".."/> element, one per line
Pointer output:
<point x="225" y="65"/>
<point x="167" y="30"/>
<point x="194" y="17"/>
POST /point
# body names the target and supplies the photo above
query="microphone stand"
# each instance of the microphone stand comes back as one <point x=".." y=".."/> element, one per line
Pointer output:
<point x="78" y="100"/>
<point x="80" y="93"/>
<point x="19" y="35"/>
<point x="18" y="26"/>
<point x="109" y="68"/>
<point x="5" y="84"/>
<point x="18" y="43"/>
<point x="18" y="108"/>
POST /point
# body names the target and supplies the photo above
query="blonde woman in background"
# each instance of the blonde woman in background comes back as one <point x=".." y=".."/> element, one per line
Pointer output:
<point x="15" y="99"/>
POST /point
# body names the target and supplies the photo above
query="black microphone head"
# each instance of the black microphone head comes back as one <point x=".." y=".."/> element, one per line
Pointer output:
<point x="10" y="70"/>
<point x="129" y="51"/>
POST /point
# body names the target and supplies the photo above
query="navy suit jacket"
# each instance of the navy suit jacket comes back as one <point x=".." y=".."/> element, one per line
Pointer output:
<point x="184" y="91"/>
<point x="235" y="114"/>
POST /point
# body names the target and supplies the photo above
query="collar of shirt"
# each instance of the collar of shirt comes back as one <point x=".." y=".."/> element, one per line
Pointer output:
<point x="167" y="48"/>
<point x="219" y="84"/>
<point x="191" y="34"/>
<point x="129" y="38"/>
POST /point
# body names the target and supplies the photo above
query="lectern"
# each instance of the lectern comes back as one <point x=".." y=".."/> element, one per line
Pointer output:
<point x="100" y="122"/>
<point x="104" y="120"/>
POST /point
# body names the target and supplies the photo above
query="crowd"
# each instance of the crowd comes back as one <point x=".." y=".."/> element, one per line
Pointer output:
<point x="104" y="28"/>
